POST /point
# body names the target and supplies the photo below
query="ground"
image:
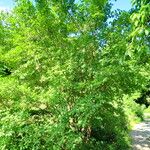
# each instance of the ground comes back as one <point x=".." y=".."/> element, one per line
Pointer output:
<point x="141" y="136"/>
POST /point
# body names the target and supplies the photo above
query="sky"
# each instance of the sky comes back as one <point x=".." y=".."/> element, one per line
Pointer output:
<point x="120" y="4"/>
<point x="6" y="4"/>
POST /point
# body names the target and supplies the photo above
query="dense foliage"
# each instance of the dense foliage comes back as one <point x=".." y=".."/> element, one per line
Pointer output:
<point x="68" y="76"/>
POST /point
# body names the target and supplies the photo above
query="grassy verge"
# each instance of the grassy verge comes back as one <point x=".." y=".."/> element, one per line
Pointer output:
<point x="147" y="113"/>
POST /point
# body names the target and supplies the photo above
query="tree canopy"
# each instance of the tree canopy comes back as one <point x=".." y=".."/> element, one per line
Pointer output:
<point x="66" y="73"/>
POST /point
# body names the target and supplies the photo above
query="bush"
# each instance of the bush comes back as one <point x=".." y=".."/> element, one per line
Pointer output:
<point x="65" y="92"/>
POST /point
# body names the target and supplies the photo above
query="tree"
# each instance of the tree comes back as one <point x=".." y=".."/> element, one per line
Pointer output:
<point x="70" y="72"/>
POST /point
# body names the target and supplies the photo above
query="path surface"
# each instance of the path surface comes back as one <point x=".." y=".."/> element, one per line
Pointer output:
<point x="141" y="136"/>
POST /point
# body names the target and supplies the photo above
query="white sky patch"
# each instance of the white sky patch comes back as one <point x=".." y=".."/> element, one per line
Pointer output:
<point x="3" y="8"/>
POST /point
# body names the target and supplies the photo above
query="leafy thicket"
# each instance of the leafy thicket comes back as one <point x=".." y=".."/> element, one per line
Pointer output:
<point x="66" y="73"/>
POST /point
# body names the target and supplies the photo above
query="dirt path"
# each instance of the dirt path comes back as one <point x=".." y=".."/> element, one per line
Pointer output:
<point x="141" y="136"/>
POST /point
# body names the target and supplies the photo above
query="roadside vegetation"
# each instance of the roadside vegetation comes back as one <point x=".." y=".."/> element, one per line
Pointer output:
<point x="71" y="79"/>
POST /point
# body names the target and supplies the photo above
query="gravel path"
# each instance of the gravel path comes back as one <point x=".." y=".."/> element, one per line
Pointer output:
<point x="141" y="136"/>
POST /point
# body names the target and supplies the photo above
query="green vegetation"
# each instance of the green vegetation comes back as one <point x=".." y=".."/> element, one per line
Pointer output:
<point x="68" y="77"/>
